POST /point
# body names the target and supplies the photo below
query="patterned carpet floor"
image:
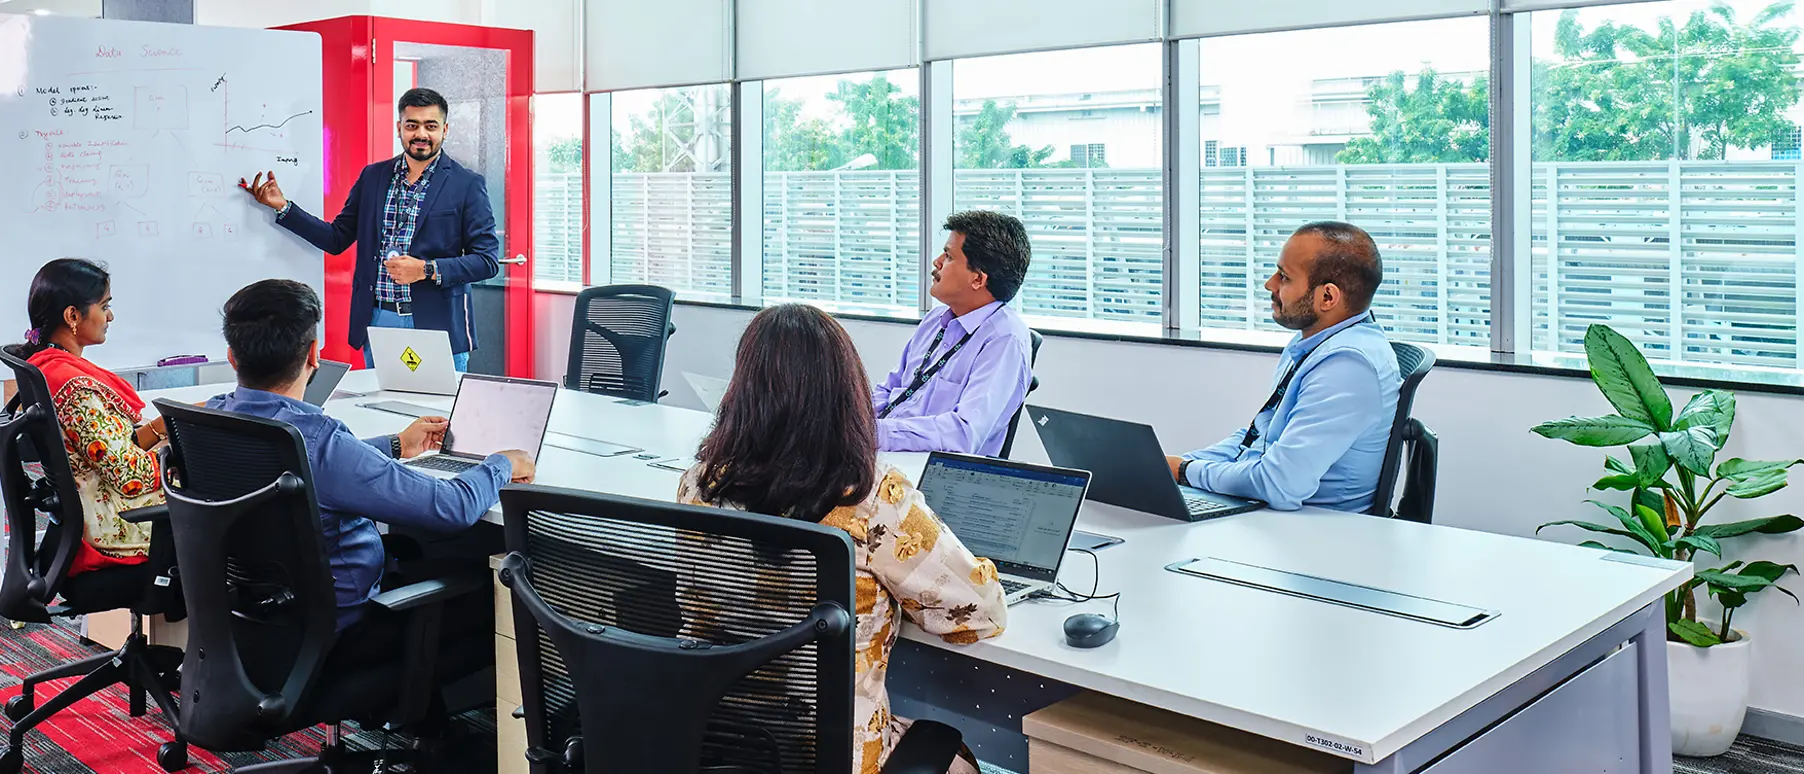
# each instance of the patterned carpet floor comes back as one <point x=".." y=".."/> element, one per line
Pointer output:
<point x="99" y="736"/>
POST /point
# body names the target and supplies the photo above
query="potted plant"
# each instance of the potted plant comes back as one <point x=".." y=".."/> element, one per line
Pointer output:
<point x="1673" y="481"/>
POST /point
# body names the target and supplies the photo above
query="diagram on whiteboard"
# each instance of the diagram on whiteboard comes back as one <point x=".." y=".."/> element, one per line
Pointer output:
<point x="128" y="139"/>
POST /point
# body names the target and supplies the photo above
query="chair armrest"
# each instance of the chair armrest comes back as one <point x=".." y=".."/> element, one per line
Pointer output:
<point x="927" y="748"/>
<point x="429" y="592"/>
<point x="146" y="515"/>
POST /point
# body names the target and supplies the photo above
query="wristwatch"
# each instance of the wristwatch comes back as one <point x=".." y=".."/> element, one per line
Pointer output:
<point x="1184" y="472"/>
<point x="394" y="446"/>
<point x="432" y="270"/>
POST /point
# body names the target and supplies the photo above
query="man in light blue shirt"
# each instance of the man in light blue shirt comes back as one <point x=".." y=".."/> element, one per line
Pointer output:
<point x="1320" y="438"/>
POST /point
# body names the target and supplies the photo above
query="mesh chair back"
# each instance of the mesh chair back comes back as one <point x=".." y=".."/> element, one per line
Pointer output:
<point x="617" y="342"/>
<point x="1413" y="363"/>
<point x="682" y="637"/>
<point x="35" y="570"/>
<point x="1033" y="357"/>
<point x="258" y="587"/>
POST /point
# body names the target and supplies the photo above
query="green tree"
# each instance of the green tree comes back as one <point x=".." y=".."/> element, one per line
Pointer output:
<point x="1622" y="93"/>
<point x="882" y="123"/>
<point x="664" y="139"/>
<point x="984" y="142"/>
<point x="565" y="156"/>
<point x="794" y="145"/>
<point x="1432" y="120"/>
<point x="1609" y="95"/>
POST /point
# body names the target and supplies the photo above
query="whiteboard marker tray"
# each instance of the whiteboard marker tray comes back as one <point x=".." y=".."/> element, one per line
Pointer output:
<point x="1432" y="611"/>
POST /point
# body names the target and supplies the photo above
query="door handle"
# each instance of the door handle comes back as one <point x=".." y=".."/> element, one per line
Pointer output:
<point x="518" y="260"/>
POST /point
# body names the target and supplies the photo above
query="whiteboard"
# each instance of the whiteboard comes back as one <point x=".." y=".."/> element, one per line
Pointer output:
<point x="123" y="142"/>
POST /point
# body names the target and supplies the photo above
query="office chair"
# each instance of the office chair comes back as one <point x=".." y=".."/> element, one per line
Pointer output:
<point x="1033" y="357"/>
<point x="753" y="674"/>
<point x="37" y="572"/>
<point x="1408" y="434"/>
<point x="262" y="613"/>
<point x="617" y="341"/>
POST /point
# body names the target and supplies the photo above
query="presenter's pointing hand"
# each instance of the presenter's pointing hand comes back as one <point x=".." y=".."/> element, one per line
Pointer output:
<point x="266" y="192"/>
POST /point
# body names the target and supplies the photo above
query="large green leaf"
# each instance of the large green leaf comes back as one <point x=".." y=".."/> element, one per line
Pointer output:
<point x="1714" y="409"/>
<point x="1616" y="483"/>
<point x="1703" y="543"/>
<point x="1625" y="378"/>
<point x="1651" y="463"/>
<point x="1736" y="468"/>
<point x="1734" y="581"/>
<point x="1595" y="527"/>
<point x="1608" y="430"/>
<point x="1772" y="525"/>
<point x="1603" y="547"/>
<point x="1772" y="571"/>
<point x="1651" y="498"/>
<point x="1654" y="540"/>
<point x="1757" y="486"/>
<point x="1653" y="521"/>
<point x="1692" y="449"/>
<point x="1694" y="633"/>
<point x="1616" y="466"/>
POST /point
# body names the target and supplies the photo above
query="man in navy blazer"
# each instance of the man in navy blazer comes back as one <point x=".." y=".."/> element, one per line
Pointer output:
<point x="423" y="227"/>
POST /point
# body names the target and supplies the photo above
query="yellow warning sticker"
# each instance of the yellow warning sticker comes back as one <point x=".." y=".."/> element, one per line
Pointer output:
<point x="411" y="359"/>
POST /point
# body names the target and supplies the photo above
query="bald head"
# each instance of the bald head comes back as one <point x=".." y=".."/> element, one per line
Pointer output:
<point x="1346" y="257"/>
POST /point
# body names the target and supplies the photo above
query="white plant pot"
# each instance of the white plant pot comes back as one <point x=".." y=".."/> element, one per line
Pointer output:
<point x="1709" y="688"/>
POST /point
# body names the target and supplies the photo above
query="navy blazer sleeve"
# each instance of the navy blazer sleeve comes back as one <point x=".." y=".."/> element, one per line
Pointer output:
<point x="481" y="258"/>
<point x="334" y="237"/>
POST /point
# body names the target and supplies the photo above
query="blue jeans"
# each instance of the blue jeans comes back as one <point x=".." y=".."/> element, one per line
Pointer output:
<point x="388" y="319"/>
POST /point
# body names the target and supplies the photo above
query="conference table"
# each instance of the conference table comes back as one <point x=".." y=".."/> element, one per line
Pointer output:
<point x="1566" y="671"/>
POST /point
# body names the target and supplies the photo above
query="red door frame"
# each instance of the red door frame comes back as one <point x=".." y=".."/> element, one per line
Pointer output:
<point x="361" y="131"/>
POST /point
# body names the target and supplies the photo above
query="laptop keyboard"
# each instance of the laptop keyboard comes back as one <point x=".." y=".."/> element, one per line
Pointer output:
<point x="1199" y="506"/>
<point x="1010" y="587"/>
<point x="443" y="462"/>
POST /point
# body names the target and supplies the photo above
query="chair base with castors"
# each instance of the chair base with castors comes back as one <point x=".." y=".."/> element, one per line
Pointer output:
<point x="147" y="671"/>
<point x="335" y="758"/>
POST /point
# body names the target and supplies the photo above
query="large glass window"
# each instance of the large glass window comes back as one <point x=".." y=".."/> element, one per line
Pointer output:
<point x="557" y="205"/>
<point x="672" y="191"/>
<point x="1070" y="143"/>
<point x="1384" y="126"/>
<point x="842" y="191"/>
<point x="1665" y="197"/>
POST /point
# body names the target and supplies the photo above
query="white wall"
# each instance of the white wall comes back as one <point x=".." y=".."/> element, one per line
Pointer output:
<point x="1495" y="475"/>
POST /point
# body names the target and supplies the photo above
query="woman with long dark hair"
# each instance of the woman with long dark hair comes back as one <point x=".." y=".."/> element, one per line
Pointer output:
<point x="796" y="437"/>
<point x="70" y="306"/>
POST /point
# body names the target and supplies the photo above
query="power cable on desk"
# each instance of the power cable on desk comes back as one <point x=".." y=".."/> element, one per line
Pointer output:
<point x="1060" y="592"/>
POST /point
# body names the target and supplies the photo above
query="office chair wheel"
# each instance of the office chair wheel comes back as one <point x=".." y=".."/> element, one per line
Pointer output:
<point x="12" y="761"/>
<point x="173" y="756"/>
<point x="19" y="706"/>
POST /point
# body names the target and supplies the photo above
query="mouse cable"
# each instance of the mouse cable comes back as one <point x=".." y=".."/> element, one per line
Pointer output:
<point x="1064" y="593"/>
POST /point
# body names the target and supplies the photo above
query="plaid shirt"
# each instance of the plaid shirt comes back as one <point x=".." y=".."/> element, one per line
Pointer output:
<point x="400" y="214"/>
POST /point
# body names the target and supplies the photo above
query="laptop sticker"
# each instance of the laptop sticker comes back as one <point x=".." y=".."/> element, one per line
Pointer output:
<point x="411" y="359"/>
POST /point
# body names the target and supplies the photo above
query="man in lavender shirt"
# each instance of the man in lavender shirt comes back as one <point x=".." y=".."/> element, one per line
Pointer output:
<point x="966" y="370"/>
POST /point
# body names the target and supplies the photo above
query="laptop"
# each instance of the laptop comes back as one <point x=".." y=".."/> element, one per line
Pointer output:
<point x="1018" y="514"/>
<point x="1129" y="466"/>
<point x="710" y="389"/>
<point x="413" y="360"/>
<point x="491" y="414"/>
<point x="325" y="381"/>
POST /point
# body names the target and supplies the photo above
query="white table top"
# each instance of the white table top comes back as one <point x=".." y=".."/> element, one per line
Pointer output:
<point x="1280" y="666"/>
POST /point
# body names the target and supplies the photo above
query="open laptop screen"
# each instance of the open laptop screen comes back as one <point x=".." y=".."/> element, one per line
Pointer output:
<point x="493" y="414"/>
<point x="1018" y="515"/>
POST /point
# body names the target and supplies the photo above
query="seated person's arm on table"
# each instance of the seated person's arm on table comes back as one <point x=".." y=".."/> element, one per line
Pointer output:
<point x="362" y="477"/>
<point x="911" y="551"/>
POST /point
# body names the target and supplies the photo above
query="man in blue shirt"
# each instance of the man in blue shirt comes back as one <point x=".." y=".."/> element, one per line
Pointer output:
<point x="1320" y="438"/>
<point x="270" y="337"/>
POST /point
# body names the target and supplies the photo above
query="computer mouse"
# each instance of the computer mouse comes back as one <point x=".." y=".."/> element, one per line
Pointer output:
<point x="1090" y="630"/>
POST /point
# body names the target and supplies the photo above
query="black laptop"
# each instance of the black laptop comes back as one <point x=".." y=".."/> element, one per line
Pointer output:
<point x="1127" y="466"/>
<point x="325" y="381"/>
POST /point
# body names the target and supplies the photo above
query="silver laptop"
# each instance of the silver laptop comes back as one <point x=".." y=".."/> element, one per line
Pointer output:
<point x="491" y="414"/>
<point x="413" y="360"/>
<point x="1018" y="514"/>
<point x="325" y="381"/>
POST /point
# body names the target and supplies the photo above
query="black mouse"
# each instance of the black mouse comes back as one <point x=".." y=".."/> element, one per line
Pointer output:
<point x="1090" y="630"/>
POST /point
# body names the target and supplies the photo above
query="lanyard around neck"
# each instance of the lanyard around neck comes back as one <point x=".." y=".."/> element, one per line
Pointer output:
<point x="1252" y="434"/>
<point x="923" y="373"/>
